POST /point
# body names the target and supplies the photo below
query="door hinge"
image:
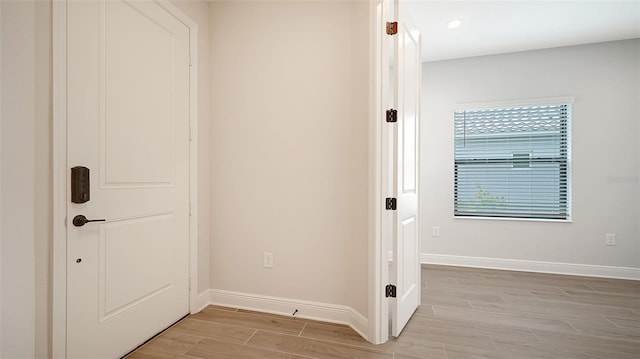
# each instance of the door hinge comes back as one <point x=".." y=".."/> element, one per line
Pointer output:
<point x="390" y="291"/>
<point x="391" y="204"/>
<point x="392" y="28"/>
<point x="392" y="115"/>
<point x="190" y="59"/>
<point x="190" y="134"/>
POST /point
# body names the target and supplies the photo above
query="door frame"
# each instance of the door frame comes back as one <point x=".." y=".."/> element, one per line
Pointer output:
<point x="380" y="220"/>
<point x="61" y="171"/>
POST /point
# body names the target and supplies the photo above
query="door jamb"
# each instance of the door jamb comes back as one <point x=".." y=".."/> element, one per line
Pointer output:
<point x="60" y="169"/>
<point x="380" y="222"/>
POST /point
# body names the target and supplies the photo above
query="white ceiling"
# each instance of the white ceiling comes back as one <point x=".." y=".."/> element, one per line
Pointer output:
<point x="493" y="27"/>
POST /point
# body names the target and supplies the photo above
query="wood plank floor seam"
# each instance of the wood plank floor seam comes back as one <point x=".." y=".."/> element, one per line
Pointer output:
<point x="276" y="350"/>
<point x="302" y="330"/>
<point x="194" y="344"/>
<point x="246" y="341"/>
<point x="444" y="349"/>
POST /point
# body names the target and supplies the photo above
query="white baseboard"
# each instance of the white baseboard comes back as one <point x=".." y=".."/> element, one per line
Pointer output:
<point x="284" y="306"/>
<point x="533" y="266"/>
<point x="202" y="300"/>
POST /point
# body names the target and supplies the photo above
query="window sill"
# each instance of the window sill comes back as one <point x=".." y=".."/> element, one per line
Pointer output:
<point x="516" y="219"/>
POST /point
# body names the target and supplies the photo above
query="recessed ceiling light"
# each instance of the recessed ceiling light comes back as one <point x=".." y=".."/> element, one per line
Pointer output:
<point x="453" y="24"/>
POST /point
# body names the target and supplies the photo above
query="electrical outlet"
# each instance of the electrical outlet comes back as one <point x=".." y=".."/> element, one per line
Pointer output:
<point x="268" y="260"/>
<point x="610" y="239"/>
<point x="436" y="231"/>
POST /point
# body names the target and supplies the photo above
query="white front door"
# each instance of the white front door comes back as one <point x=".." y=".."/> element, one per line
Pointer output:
<point x="405" y="272"/>
<point x="128" y="123"/>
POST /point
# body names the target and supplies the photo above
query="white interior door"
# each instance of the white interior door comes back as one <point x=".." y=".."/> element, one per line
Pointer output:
<point x="405" y="271"/>
<point x="128" y="122"/>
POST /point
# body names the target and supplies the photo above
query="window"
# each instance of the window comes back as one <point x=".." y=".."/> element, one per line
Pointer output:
<point x="513" y="162"/>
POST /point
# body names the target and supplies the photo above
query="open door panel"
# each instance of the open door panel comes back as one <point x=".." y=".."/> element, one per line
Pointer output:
<point x="405" y="271"/>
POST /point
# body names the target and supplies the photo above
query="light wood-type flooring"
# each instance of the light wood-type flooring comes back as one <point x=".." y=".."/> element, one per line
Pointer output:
<point x="465" y="313"/>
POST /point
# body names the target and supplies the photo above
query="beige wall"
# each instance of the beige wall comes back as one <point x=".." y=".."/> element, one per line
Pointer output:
<point x="289" y="141"/>
<point x="26" y="178"/>
<point x="18" y="147"/>
<point x="605" y="81"/>
<point x="25" y="164"/>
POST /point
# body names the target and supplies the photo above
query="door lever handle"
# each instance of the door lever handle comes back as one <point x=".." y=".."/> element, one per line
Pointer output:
<point x="81" y="220"/>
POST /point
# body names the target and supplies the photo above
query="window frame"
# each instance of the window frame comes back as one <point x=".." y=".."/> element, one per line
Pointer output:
<point x="568" y="170"/>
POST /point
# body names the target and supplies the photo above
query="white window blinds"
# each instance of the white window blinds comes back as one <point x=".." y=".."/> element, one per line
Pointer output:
<point x="512" y="162"/>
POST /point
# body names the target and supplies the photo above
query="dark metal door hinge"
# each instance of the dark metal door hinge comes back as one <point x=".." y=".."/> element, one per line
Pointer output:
<point x="392" y="28"/>
<point x="390" y="291"/>
<point x="392" y="115"/>
<point x="391" y="204"/>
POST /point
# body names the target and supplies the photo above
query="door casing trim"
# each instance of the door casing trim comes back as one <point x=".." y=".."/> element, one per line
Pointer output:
<point x="380" y="221"/>
<point x="60" y="170"/>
